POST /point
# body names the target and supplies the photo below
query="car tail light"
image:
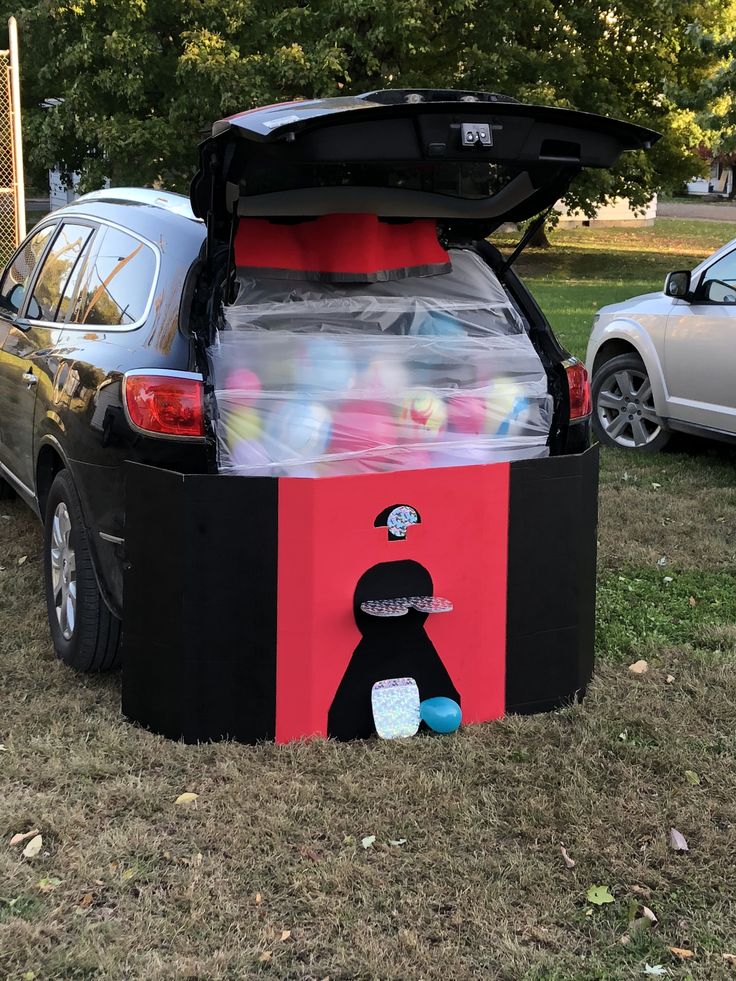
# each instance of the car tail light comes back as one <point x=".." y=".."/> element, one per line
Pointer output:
<point x="168" y="405"/>
<point x="581" y="403"/>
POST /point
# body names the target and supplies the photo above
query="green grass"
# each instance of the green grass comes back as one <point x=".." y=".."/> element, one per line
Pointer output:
<point x="265" y="875"/>
<point x="588" y="268"/>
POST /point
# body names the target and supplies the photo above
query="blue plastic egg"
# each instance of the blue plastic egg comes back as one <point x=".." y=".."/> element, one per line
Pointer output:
<point x="441" y="714"/>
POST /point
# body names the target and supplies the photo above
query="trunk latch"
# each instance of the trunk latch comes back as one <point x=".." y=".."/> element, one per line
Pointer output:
<point x="476" y="134"/>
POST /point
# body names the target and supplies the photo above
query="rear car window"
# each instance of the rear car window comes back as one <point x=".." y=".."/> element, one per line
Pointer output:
<point x="117" y="281"/>
<point x="58" y="272"/>
<point x="21" y="269"/>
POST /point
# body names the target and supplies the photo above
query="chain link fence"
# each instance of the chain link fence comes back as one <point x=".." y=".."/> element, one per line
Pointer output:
<point x="8" y="215"/>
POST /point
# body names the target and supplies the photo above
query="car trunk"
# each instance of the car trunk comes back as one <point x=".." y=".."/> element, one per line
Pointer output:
<point x="366" y="334"/>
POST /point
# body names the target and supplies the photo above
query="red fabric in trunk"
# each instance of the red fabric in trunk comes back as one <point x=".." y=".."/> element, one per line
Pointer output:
<point x="345" y="248"/>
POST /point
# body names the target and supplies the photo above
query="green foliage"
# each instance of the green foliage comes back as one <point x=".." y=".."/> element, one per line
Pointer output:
<point x="138" y="81"/>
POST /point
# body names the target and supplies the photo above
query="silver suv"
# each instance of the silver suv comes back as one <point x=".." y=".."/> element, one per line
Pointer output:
<point x="667" y="361"/>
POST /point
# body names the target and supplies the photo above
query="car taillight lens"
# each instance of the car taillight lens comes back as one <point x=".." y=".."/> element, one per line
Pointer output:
<point x="577" y="381"/>
<point x="165" y="404"/>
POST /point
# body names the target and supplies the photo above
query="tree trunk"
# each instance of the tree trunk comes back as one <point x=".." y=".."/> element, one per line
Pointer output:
<point x="539" y="239"/>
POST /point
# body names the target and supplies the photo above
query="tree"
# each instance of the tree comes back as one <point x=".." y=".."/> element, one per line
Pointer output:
<point x="136" y="82"/>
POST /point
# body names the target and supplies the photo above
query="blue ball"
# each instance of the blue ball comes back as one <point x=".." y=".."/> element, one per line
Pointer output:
<point x="441" y="714"/>
<point x="325" y="365"/>
<point x="439" y="324"/>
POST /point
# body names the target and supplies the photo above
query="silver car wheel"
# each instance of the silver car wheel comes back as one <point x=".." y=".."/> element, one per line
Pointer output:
<point x="63" y="571"/>
<point x="625" y="408"/>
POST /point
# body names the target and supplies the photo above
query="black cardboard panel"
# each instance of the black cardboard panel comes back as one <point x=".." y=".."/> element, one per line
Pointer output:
<point x="553" y="514"/>
<point x="200" y="601"/>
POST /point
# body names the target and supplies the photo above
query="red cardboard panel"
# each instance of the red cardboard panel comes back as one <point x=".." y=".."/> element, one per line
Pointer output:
<point x="328" y="540"/>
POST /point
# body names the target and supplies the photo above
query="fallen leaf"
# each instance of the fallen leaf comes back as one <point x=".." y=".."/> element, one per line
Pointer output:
<point x="33" y="847"/>
<point x="17" y="839"/>
<point x="669" y="679"/>
<point x="729" y="958"/>
<point x="692" y="777"/>
<point x="599" y="895"/>
<point x="265" y="956"/>
<point x="127" y="875"/>
<point x="368" y="841"/>
<point x="655" y="969"/>
<point x="48" y="883"/>
<point x="677" y="841"/>
<point x="186" y="798"/>
<point x="569" y="862"/>
<point x="682" y="952"/>
<point x="640" y="890"/>
<point x="397" y="841"/>
<point x="28" y="976"/>
<point x="285" y="934"/>
<point x="22" y="560"/>
<point x="310" y="853"/>
<point x="692" y="601"/>
<point x="639" y="667"/>
<point x="86" y="900"/>
<point x="258" y="898"/>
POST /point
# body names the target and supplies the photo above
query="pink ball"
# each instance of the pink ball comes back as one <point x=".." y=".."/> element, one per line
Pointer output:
<point x="243" y="386"/>
<point x="466" y="413"/>
<point x="360" y="426"/>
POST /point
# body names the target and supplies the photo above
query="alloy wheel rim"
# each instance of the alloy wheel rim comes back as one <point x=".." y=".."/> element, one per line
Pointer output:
<point x="625" y="408"/>
<point x="63" y="571"/>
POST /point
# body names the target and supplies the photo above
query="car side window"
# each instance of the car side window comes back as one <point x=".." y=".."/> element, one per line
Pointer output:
<point x="20" y="270"/>
<point x="58" y="273"/>
<point x="117" y="282"/>
<point x="718" y="284"/>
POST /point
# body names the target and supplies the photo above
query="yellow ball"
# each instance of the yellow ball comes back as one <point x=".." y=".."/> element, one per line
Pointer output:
<point x="242" y="422"/>
<point x="504" y="406"/>
<point x="424" y="413"/>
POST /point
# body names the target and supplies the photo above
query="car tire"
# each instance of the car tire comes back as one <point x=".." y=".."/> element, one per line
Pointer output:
<point x="623" y="407"/>
<point x="85" y="634"/>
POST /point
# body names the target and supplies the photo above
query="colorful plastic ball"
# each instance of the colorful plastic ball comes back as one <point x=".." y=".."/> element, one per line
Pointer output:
<point x="467" y="414"/>
<point x="298" y="428"/>
<point x="324" y="365"/>
<point x="243" y="386"/>
<point x="437" y="323"/>
<point x="441" y="714"/>
<point x="362" y="425"/>
<point x="423" y="413"/>
<point x="506" y="409"/>
<point x="242" y="424"/>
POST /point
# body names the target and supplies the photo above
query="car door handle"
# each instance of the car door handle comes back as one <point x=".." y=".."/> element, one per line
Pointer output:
<point x="29" y="378"/>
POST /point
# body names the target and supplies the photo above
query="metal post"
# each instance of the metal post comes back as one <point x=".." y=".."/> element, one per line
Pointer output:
<point x="19" y="189"/>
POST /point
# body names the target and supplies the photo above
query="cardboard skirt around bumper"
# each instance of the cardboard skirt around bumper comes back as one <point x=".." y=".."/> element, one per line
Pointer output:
<point x="244" y="596"/>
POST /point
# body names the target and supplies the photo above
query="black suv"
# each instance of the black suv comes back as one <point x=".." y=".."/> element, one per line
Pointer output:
<point x="111" y="306"/>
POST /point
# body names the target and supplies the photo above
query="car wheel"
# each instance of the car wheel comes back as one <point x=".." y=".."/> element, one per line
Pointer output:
<point x="623" y="406"/>
<point x="86" y="636"/>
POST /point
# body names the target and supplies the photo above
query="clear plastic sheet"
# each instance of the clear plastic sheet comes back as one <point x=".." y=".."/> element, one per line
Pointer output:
<point x="322" y="380"/>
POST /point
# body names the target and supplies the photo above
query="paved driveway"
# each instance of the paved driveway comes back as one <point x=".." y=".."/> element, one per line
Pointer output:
<point x="699" y="210"/>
